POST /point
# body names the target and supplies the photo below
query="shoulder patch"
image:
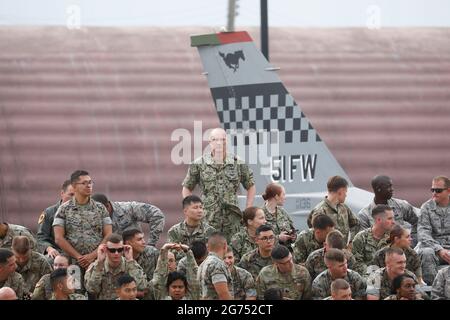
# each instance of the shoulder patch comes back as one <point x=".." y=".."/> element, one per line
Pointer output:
<point x="41" y="217"/>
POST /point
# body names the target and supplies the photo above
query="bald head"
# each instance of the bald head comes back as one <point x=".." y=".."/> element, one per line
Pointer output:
<point x="218" y="143"/>
<point x="6" y="293"/>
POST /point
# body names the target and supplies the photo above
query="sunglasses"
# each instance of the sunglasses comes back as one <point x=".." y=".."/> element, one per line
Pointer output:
<point x="437" y="190"/>
<point x="114" y="250"/>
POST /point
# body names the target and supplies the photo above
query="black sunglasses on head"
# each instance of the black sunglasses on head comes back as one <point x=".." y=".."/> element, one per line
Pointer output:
<point x="113" y="250"/>
<point x="437" y="190"/>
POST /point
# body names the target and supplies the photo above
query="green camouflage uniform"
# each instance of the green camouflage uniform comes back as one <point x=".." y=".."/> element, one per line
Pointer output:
<point x="305" y="244"/>
<point x="213" y="270"/>
<point x="15" y="282"/>
<point x="219" y="184"/>
<point x="130" y="215"/>
<point x="14" y="231"/>
<point x="344" y="219"/>
<point x="72" y="296"/>
<point x="379" y="285"/>
<point x="279" y="221"/>
<point x="412" y="260"/>
<point x="241" y="243"/>
<point x="147" y="260"/>
<point x="179" y="233"/>
<point x="441" y="285"/>
<point x="316" y="264"/>
<point x="43" y="289"/>
<point x="159" y="280"/>
<point x="364" y="248"/>
<point x="243" y="284"/>
<point x="433" y="235"/>
<point x="296" y="285"/>
<point x="33" y="270"/>
<point x="321" y="285"/>
<point x="102" y="284"/>
<point x="253" y="262"/>
<point x="83" y="224"/>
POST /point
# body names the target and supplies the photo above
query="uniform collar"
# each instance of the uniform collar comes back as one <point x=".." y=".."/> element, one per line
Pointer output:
<point x="332" y="206"/>
<point x="120" y="268"/>
<point x="229" y="159"/>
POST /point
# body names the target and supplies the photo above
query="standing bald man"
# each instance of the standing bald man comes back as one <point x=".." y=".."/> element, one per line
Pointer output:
<point x="219" y="175"/>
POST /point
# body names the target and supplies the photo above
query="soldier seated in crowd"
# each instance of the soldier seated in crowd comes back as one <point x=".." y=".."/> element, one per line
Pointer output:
<point x="6" y="293"/>
<point x="192" y="228"/>
<point x="404" y="213"/>
<point x="177" y="286"/>
<point x="31" y="265"/>
<point x="200" y="253"/>
<point x="367" y="242"/>
<point x="167" y="264"/>
<point x="145" y="255"/>
<point x="260" y="257"/>
<point x="333" y="206"/>
<point x="45" y="234"/>
<point x="340" y="290"/>
<point x="244" y="241"/>
<point x="8" y="275"/>
<point x="380" y="282"/>
<point x="43" y="288"/>
<point x="336" y="263"/>
<point x="404" y="288"/>
<point x="400" y="237"/>
<point x="126" y="288"/>
<point x="130" y="215"/>
<point x="312" y="239"/>
<point x="213" y="275"/>
<point x="434" y="229"/>
<point x="243" y="282"/>
<point x="62" y="286"/>
<point x="441" y="285"/>
<point x="276" y="216"/>
<point x="316" y="260"/>
<point x="283" y="273"/>
<point x="113" y="260"/>
<point x="8" y="231"/>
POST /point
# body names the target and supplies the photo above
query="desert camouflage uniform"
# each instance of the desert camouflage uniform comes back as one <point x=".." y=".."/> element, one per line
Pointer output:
<point x="147" y="260"/>
<point x="83" y="224"/>
<point x="305" y="244"/>
<point x="364" y="248"/>
<point x="344" y="219"/>
<point x="253" y="262"/>
<point x="33" y="270"/>
<point x="441" y="285"/>
<point x="434" y="235"/>
<point x="219" y="184"/>
<point x="321" y="285"/>
<point x="130" y="215"/>
<point x="279" y="221"/>
<point x="379" y="285"/>
<point x="412" y="260"/>
<point x="296" y="285"/>
<point x="102" y="283"/>
<point x="15" y="282"/>
<point x="241" y="243"/>
<point x="159" y="280"/>
<point x="43" y="289"/>
<point x="213" y="270"/>
<point x="404" y="215"/>
<point x="72" y="296"/>
<point x="243" y="284"/>
<point x="14" y="231"/>
<point x="316" y="264"/>
<point x="179" y="233"/>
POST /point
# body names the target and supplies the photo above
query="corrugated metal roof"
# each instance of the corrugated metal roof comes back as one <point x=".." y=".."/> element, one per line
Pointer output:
<point x="107" y="100"/>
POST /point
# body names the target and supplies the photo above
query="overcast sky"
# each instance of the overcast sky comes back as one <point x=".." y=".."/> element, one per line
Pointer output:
<point x="307" y="13"/>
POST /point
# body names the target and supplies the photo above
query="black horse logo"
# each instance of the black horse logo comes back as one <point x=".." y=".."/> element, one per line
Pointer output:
<point x="232" y="59"/>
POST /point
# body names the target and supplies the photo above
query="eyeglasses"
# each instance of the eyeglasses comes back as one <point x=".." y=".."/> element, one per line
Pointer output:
<point x="86" y="183"/>
<point x="267" y="239"/>
<point x="437" y="190"/>
<point x="114" y="250"/>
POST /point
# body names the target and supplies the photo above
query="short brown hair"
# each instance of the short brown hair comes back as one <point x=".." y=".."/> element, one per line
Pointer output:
<point x="21" y="244"/>
<point x="334" y="255"/>
<point x="335" y="240"/>
<point x="335" y="183"/>
<point x="272" y="190"/>
<point x="339" y="284"/>
<point x="443" y="178"/>
<point x="114" y="238"/>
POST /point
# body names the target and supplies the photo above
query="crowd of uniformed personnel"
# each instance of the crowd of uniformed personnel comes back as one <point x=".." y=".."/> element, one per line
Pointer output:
<point x="88" y="247"/>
